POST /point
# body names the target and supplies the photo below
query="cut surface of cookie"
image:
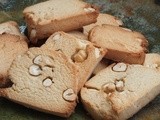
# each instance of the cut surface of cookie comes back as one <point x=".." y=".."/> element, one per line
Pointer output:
<point x="57" y="16"/>
<point x="78" y="35"/>
<point x="43" y="80"/>
<point x="83" y="53"/>
<point x="123" y="45"/>
<point x="10" y="47"/>
<point x="118" y="95"/>
<point x="152" y="60"/>
<point x="103" y="19"/>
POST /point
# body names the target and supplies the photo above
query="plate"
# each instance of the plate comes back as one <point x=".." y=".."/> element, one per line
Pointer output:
<point x="138" y="15"/>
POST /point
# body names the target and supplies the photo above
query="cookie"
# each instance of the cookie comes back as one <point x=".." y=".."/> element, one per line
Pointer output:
<point x="78" y="35"/>
<point x="45" y="18"/>
<point x="43" y="80"/>
<point x="123" y="45"/>
<point x="152" y="60"/>
<point x="101" y="65"/>
<point x="120" y="91"/>
<point x="103" y="19"/>
<point x="81" y="52"/>
<point x="10" y="47"/>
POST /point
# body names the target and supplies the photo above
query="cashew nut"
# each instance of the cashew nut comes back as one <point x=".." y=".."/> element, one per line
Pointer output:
<point x="109" y="87"/>
<point x="80" y="56"/>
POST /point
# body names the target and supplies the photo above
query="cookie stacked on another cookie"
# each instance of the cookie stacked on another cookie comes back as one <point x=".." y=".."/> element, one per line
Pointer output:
<point x="12" y="44"/>
<point x="83" y="53"/>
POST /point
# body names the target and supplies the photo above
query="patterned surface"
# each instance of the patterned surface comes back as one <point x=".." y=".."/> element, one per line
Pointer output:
<point x="139" y="15"/>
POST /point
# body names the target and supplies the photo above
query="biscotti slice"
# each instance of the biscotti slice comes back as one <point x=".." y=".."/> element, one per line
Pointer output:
<point x="103" y="19"/>
<point x="43" y="19"/>
<point x="83" y="53"/>
<point x="101" y="65"/>
<point x="43" y="80"/>
<point x="120" y="91"/>
<point x="10" y="47"/>
<point x="78" y="35"/>
<point x="123" y="45"/>
<point x="152" y="60"/>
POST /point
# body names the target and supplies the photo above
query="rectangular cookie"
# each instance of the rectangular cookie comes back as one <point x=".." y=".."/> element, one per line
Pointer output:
<point x="123" y="45"/>
<point x="120" y="91"/>
<point x="81" y="52"/>
<point x="43" y="19"/>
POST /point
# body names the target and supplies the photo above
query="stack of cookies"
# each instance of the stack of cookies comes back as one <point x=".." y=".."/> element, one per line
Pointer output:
<point x="84" y="52"/>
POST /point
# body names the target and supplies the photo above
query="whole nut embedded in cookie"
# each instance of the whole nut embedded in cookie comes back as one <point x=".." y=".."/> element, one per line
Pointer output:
<point x="80" y="56"/>
<point x="56" y="36"/>
<point x="35" y="70"/>
<point x="38" y="60"/>
<point x="119" y="86"/>
<point x="97" y="52"/>
<point x="69" y="95"/>
<point x="120" y="67"/>
<point x="109" y="87"/>
<point x="89" y="9"/>
<point x="47" y="82"/>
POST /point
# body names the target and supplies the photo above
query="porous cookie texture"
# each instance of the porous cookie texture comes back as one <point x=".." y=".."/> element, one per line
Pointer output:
<point x="101" y="65"/>
<point x="43" y="80"/>
<point x="152" y="60"/>
<point x="123" y="45"/>
<point x="103" y="19"/>
<point x="57" y="16"/>
<point x="10" y="47"/>
<point x="119" y="91"/>
<point x="81" y="52"/>
<point x="78" y="35"/>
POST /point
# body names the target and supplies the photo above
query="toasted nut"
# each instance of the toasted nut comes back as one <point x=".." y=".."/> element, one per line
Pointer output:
<point x="119" y="22"/>
<point x="82" y="45"/>
<point x="126" y="29"/>
<point x="80" y="56"/>
<point x="56" y="36"/>
<point x="120" y="67"/>
<point x="119" y="86"/>
<point x="109" y="87"/>
<point x="89" y="9"/>
<point x="47" y="82"/>
<point x="33" y="33"/>
<point x="38" y="60"/>
<point x="69" y="95"/>
<point x="35" y="70"/>
<point x="97" y="52"/>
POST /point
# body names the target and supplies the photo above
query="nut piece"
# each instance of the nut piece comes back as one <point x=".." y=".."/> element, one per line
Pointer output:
<point x="109" y="87"/>
<point x="120" y="67"/>
<point x="38" y="60"/>
<point x="80" y="56"/>
<point x="89" y="9"/>
<point x="119" y="22"/>
<point x="35" y="70"/>
<point x="69" y="95"/>
<point x="97" y="53"/>
<point x="33" y="33"/>
<point x="47" y="82"/>
<point x="82" y="45"/>
<point x="119" y="86"/>
<point x="56" y="36"/>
